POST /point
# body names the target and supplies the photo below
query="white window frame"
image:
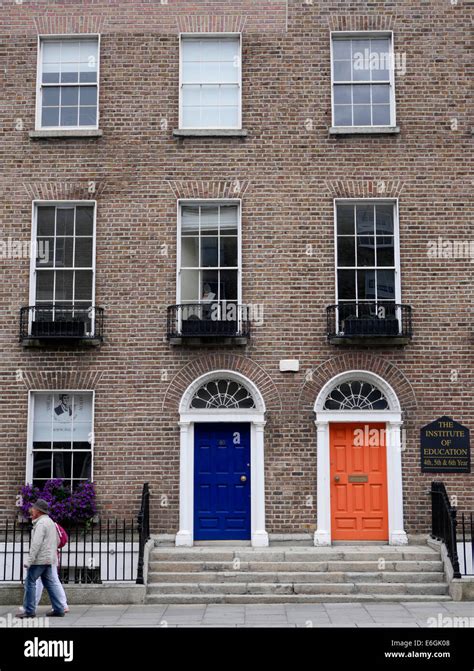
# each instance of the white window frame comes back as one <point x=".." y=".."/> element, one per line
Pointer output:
<point x="210" y="201"/>
<point x="366" y="34"/>
<point x="183" y="36"/>
<point x="34" y="227"/>
<point x="39" y="97"/>
<point x="396" y="242"/>
<point x="31" y="415"/>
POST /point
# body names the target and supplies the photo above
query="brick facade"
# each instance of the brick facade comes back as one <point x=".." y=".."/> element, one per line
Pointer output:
<point x="287" y="172"/>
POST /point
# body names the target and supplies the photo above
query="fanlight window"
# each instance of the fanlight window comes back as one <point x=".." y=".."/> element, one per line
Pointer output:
<point x="356" y="395"/>
<point x="222" y="394"/>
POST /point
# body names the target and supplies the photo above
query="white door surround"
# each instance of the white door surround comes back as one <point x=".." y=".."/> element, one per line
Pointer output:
<point x="393" y="420"/>
<point x="188" y="418"/>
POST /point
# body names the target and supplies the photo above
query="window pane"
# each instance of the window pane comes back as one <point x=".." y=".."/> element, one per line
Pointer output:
<point x="189" y="220"/>
<point x="82" y="465"/>
<point x="209" y="220"/>
<point x="361" y="94"/>
<point x="345" y="219"/>
<point x="366" y="284"/>
<point x="65" y="221"/>
<point x="69" y="73"/>
<point x="88" y="95"/>
<point x="42" y="429"/>
<point x="385" y="251"/>
<point x="50" y="116"/>
<point x="45" y="221"/>
<point x="228" y="280"/>
<point x="386" y="284"/>
<point x="209" y="49"/>
<point x="365" y="219"/>
<point x="229" y="117"/>
<point x="69" y="95"/>
<point x="191" y="117"/>
<point x="64" y="285"/>
<point x="210" y="94"/>
<point x="44" y="285"/>
<point x="64" y="251"/>
<point x="69" y="116"/>
<point x="209" y="117"/>
<point x="83" y="252"/>
<point x="51" y="96"/>
<point x="343" y="94"/>
<point x="191" y="95"/>
<point x="51" y="51"/>
<point x="209" y="251"/>
<point x="342" y="71"/>
<point x="346" y="251"/>
<point x="87" y="74"/>
<point x="343" y="115"/>
<point x="346" y="284"/>
<point x="191" y="49"/>
<point x="384" y="219"/>
<point x="191" y="73"/>
<point x="229" y="49"/>
<point x="190" y="252"/>
<point x="89" y="52"/>
<point x="50" y="73"/>
<point x="83" y="287"/>
<point x="69" y="51"/>
<point x="210" y="285"/>
<point x="341" y="49"/>
<point x="229" y="72"/>
<point x="62" y="462"/>
<point x="381" y="115"/>
<point x="42" y="465"/>
<point x="44" y="252"/>
<point x="362" y="115"/>
<point x="84" y="220"/>
<point x="228" y="255"/>
<point x="229" y="95"/>
<point x="381" y="93"/>
<point x="87" y="116"/>
<point x="229" y="219"/>
<point x="365" y="251"/>
<point x="189" y="285"/>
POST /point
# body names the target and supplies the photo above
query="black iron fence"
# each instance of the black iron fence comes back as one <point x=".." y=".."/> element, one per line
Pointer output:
<point x="458" y="539"/>
<point x="370" y="319"/>
<point x="61" y="322"/>
<point x="212" y="319"/>
<point x="110" y="551"/>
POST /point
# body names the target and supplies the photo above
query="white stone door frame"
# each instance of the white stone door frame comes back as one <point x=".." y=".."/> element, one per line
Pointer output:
<point x="393" y="420"/>
<point x="188" y="418"/>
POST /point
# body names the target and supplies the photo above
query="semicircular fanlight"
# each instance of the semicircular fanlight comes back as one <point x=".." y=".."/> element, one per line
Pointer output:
<point x="222" y="393"/>
<point x="356" y="395"/>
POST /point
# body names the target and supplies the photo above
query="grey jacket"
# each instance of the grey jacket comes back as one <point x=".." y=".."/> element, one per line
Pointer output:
<point x="44" y="542"/>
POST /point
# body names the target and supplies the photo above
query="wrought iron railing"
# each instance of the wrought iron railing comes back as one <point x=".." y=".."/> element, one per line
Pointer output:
<point x="61" y="322"/>
<point x="213" y="319"/>
<point x="110" y="551"/>
<point x="143" y="530"/>
<point x="371" y="319"/>
<point x="444" y="523"/>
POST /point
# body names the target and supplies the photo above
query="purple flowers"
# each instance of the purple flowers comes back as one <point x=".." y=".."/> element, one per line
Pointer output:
<point x="65" y="506"/>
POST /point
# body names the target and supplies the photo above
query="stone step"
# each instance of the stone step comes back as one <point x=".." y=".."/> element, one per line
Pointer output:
<point x="296" y="588"/>
<point x="295" y="576"/>
<point x="313" y="554"/>
<point x="308" y="566"/>
<point x="292" y="598"/>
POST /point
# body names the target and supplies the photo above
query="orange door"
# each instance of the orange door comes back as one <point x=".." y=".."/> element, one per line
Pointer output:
<point x="359" y="505"/>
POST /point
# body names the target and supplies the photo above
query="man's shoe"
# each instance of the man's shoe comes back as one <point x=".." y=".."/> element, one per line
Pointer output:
<point x="54" y="613"/>
<point x="22" y="616"/>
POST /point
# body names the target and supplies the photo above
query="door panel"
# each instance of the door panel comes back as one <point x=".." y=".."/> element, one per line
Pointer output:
<point x="221" y="499"/>
<point x="359" y="505"/>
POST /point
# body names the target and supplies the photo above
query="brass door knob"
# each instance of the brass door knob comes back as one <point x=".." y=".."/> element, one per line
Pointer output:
<point x="243" y="478"/>
<point x="336" y="478"/>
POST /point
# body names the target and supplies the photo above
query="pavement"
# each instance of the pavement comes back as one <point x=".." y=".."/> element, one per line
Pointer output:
<point x="402" y="614"/>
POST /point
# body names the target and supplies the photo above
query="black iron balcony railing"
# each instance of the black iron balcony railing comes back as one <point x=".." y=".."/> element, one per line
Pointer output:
<point x="208" y="320"/>
<point x="61" y="323"/>
<point x="369" y="319"/>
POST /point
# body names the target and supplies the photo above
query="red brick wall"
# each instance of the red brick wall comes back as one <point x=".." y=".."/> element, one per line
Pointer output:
<point x="288" y="176"/>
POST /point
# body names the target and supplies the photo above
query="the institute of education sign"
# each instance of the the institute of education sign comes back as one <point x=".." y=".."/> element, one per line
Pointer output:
<point x="445" y="447"/>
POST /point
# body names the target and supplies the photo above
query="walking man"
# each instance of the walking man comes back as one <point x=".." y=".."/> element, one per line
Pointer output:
<point x="41" y="560"/>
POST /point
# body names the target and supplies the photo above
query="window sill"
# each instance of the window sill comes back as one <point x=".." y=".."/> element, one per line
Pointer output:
<point x="80" y="132"/>
<point x="364" y="130"/>
<point x="205" y="132"/>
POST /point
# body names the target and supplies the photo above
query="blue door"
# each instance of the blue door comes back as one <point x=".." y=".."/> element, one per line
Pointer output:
<point x="222" y="481"/>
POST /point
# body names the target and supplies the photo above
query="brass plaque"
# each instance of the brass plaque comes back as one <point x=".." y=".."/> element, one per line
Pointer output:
<point x="359" y="478"/>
